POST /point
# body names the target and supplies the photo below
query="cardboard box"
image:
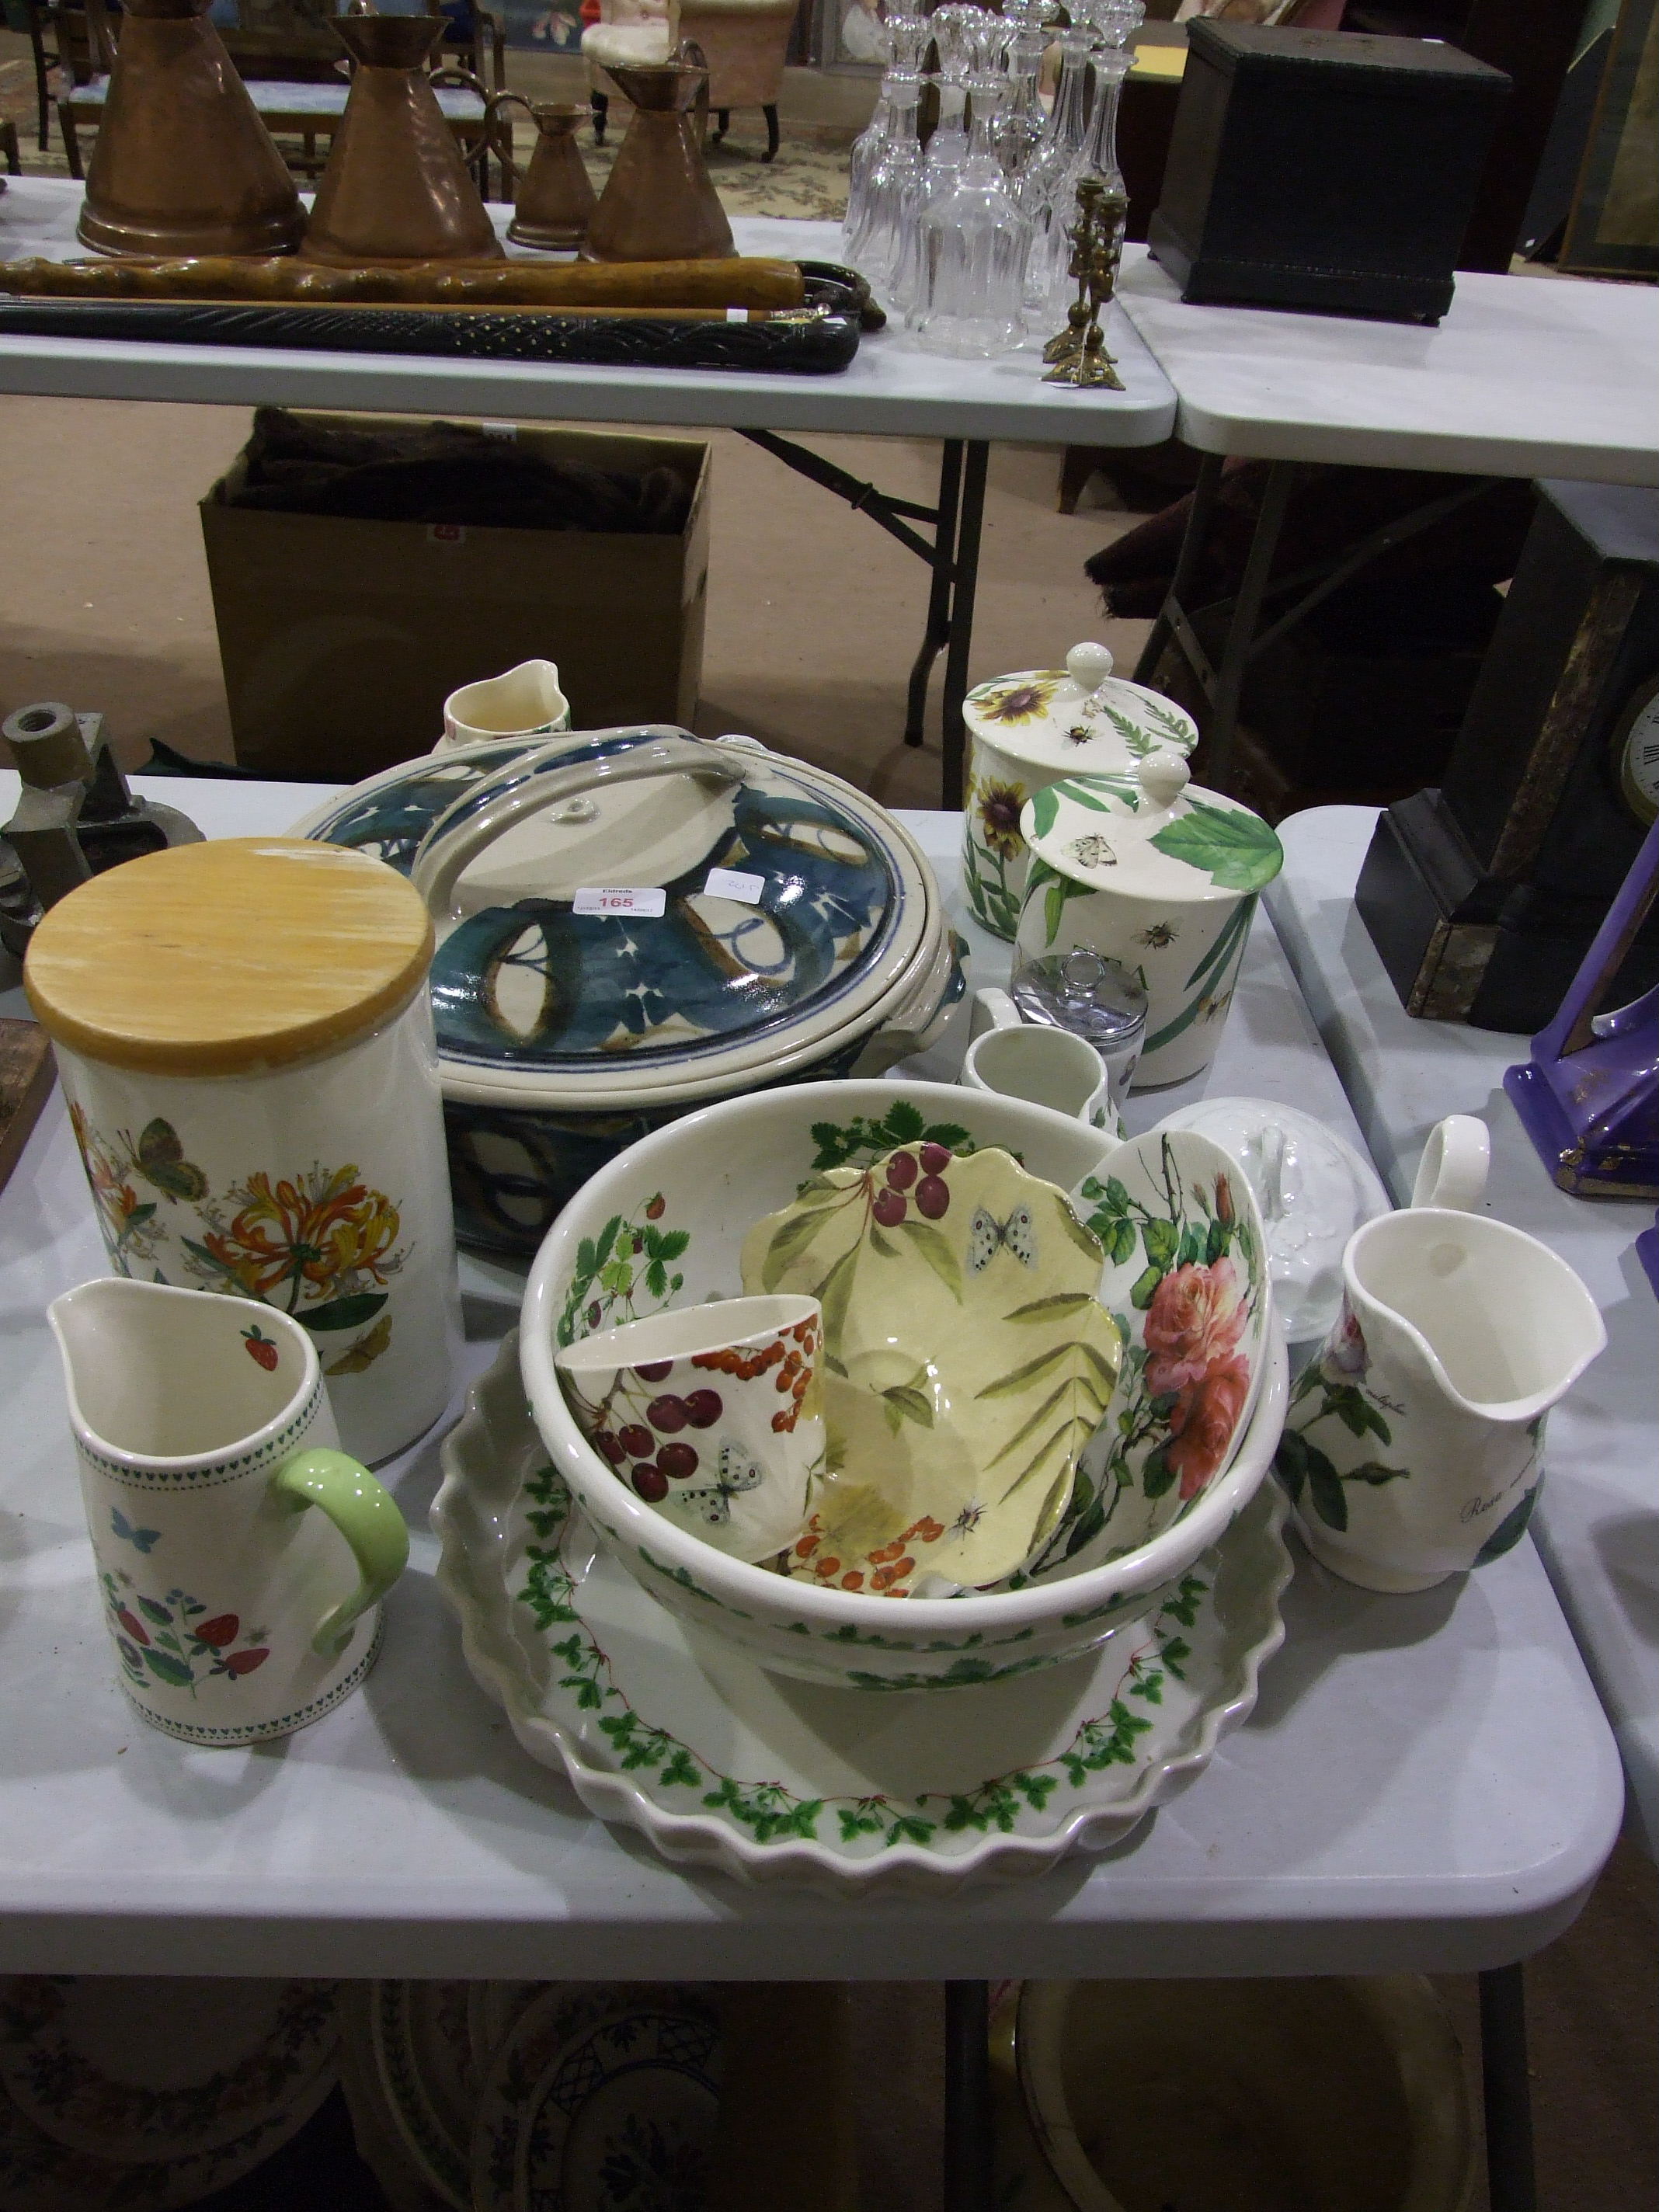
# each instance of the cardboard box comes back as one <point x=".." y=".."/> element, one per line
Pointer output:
<point x="342" y="639"/>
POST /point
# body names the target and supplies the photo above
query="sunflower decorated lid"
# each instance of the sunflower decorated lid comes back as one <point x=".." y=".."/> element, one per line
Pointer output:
<point x="1151" y="833"/>
<point x="1077" y="719"/>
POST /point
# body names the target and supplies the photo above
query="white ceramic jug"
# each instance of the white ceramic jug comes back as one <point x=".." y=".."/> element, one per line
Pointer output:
<point x="241" y="1557"/>
<point x="1412" y="1448"/>
<point x="525" y="701"/>
<point x="1049" y="1067"/>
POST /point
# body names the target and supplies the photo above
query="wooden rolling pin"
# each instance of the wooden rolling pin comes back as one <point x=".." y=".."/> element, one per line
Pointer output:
<point x="738" y="282"/>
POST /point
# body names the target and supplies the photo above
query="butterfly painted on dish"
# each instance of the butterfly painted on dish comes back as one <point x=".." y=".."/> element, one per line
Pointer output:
<point x="986" y="1236"/>
<point x="145" y="1539"/>
<point x="712" y="1501"/>
<point x="159" y="1157"/>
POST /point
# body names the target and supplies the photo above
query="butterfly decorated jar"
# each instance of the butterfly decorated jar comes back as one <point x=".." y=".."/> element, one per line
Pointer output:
<point x="1028" y="730"/>
<point x="245" y="1046"/>
<point x="1148" y="870"/>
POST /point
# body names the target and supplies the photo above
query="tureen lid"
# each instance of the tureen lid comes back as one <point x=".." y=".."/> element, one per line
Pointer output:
<point x="1151" y="833"/>
<point x="767" y="909"/>
<point x="1076" y="719"/>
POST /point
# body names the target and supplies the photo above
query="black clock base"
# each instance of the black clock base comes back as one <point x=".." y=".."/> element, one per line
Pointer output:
<point x="1462" y="946"/>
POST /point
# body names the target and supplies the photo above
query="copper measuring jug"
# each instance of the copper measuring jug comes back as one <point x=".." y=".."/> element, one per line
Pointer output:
<point x="658" y="204"/>
<point x="396" y="188"/>
<point x="554" y="200"/>
<point x="183" y="164"/>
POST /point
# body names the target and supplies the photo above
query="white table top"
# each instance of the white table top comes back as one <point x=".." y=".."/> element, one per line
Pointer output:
<point x="890" y="389"/>
<point x="1597" y="1526"/>
<point x="1527" y="376"/>
<point x="1427" y="1782"/>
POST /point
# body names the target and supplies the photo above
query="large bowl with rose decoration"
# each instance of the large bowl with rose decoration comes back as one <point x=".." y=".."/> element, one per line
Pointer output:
<point x="665" y="1224"/>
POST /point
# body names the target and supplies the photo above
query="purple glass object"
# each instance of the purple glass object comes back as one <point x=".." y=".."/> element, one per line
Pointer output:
<point x="1589" y="1097"/>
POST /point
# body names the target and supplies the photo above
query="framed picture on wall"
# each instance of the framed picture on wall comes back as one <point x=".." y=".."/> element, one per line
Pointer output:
<point x="1614" y="228"/>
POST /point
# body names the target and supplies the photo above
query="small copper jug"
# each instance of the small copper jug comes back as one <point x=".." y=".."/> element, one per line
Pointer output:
<point x="183" y="164"/>
<point x="554" y="200"/>
<point x="658" y="204"/>
<point x="395" y="188"/>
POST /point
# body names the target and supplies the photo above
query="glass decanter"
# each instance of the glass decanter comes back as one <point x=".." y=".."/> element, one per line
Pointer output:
<point x="1045" y="175"/>
<point x="973" y="240"/>
<point x="1023" y="122"/>
<point x="886" y="209"/>
<point x="1049" y="284"/>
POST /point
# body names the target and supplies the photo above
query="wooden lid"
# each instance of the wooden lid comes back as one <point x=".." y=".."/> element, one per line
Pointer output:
<point x="228" y="957"/>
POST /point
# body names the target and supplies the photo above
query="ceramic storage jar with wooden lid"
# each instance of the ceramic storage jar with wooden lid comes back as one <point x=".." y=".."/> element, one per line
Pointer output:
<point x="245" y="1040"/>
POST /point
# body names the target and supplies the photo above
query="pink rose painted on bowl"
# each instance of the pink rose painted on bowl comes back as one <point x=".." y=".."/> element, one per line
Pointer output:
<point x="1196" y="1318"/>
<point x="1202" y="1421"/>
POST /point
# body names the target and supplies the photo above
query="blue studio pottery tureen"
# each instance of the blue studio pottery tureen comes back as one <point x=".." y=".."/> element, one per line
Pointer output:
<point x="632" y="922"/>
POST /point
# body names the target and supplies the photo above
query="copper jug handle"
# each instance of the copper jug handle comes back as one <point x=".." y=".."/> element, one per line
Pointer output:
<point x="502" y="142"/>
<point x="464" y="80"/>
<point x="692" y="56"/>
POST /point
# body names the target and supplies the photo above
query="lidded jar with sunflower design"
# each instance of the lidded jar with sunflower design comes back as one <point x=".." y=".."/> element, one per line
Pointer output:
<point x="1026" y="731"/>
<point x="246" y="1045"/>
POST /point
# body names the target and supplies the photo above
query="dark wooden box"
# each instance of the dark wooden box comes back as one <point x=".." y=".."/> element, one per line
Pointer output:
<point x="1328" y="170"/>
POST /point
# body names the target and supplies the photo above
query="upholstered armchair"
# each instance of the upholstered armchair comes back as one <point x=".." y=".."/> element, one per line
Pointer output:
<point x="745" y="42"/>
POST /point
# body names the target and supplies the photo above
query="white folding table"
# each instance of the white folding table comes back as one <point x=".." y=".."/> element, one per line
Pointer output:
<point x="1428" y="1782"/>
<point x="892" y="389"/>
<point x="1526" y="376"/>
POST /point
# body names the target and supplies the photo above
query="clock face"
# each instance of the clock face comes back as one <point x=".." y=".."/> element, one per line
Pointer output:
<point x="1636" y="752"/>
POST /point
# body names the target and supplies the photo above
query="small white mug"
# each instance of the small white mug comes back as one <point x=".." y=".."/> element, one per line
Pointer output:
<point x="1045" y="1066"/>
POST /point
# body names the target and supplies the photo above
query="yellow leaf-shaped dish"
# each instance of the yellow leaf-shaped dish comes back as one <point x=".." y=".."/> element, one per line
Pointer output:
<point x="966" y="1363"/>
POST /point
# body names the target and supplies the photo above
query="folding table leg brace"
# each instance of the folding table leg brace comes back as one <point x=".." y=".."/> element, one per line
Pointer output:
<point x="1222" y="683"/>
<point x="953" y="554"/>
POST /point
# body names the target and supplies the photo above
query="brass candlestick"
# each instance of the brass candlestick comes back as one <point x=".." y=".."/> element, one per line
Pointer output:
<point x="1067" y="345"/>
<point x="1078" y="352"/>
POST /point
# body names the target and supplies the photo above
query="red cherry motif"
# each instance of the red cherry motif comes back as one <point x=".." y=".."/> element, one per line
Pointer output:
<point x="218" y="1632"/>
<point x="651" y="1483"/>
<point x="935" y="1158"/>
<point x="677" y="1462"/>
<point x="593" y="1314"/>
<point x="130" y="1622"/>
<point x="244" y="1662"/>
<point x="902" y="1170"/>
<point x="261" y="1348"/>
<point x="654" y="1369"/>
<point x="610" y="1446"/>
<point x="666" y="1414"/>
<point x="655" y="1207"/>
<point x="704" y="1409"/>
<point x="933" y="1197"/>
<point x="889" y="1208"/>
<point x="637" y="1441"/>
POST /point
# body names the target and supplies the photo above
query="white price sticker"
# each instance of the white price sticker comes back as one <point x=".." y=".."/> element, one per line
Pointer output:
<point x="639" y="900"/>
<point x="733" y="884"/>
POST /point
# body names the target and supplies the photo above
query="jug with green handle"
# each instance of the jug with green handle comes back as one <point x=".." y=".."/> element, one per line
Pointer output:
<point x="241" y="1557"/>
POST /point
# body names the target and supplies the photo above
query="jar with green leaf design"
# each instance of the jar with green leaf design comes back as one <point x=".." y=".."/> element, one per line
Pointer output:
<point x="1027" y="731"/>
<point x="1148" y="870"/>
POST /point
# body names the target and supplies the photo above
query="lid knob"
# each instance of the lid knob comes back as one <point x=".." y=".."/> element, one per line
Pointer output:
<point x="1164" y="776"/>
<point x="1088" y="666"/>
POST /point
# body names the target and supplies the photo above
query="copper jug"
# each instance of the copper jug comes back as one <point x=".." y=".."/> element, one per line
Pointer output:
<point x="554" y="200"/>
<point x="658" y="204"/>
<point x="183" y="164"/>
<point x="395" y="188"/>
